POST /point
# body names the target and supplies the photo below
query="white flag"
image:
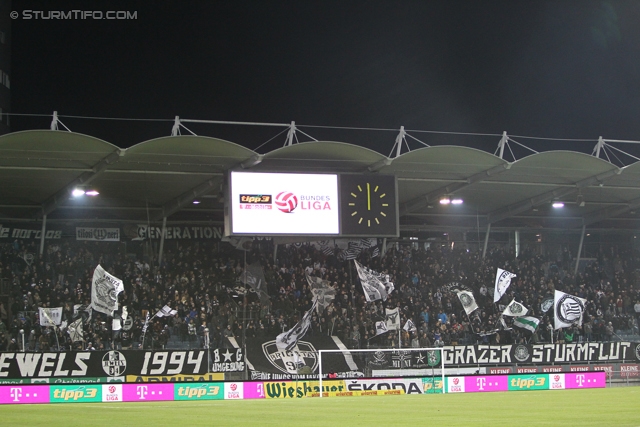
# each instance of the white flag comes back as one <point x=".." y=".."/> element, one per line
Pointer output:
<point x="322" y="291"/>
<point x="568" y="310"/>
<point x="75" y="330"/>
<point x="50" y="316"/>
<point x="375" y="285"/>
<point x="146" y="324"/>
<point x="503" y="280"/>
<point x="468" y="301"/>
<point x="104" y="291"/>
<point x="515" y="309"/>
<point x="527" y="322"/>
<point x="381" y="327"/>
<point x="409" y="326"/>
<point x="166" y="311"/>
<point x="393" y="319"/>
<point x="288" y="340"/>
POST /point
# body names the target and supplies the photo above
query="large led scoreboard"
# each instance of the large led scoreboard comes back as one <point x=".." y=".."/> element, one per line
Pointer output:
<point x="273" y="204"/>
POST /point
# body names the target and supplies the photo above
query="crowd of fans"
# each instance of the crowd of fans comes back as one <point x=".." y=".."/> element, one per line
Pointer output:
<point x="202" y="281"/>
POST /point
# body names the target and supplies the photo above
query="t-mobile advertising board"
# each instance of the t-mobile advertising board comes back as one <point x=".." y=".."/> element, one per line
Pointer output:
<point x="65" y="393"/>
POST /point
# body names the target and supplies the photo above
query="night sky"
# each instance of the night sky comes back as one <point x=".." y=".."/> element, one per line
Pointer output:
<point x="563" y="69"/>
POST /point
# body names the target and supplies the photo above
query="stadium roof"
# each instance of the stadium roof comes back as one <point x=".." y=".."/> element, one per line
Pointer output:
<point x="162" y="177"/>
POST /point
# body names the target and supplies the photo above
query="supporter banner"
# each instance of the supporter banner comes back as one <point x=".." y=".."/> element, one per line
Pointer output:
<point x="266" y="362"/>
<point x="98" y="234"/>
<point x="620" y="351"/>
<point x="7" y="232"/>
<point x="227" y="360"/>
<point x="178" y="232"/>
<point x="113" y="364"/>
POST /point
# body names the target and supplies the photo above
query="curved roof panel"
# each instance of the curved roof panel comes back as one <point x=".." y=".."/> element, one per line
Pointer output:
<point x="38" y="167"/>
<point x="320" y="156"/>
<point x="52" y="149"/>
<point x="184" y="153"/>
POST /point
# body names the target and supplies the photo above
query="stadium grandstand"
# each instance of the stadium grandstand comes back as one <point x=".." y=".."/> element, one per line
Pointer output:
<point x="155" y="215"/>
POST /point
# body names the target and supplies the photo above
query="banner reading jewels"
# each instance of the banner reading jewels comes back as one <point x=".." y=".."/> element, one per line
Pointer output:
<point x="53" y="366"/>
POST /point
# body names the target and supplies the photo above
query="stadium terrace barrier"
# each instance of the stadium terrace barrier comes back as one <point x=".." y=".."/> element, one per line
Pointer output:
<point x="76" y="393"/>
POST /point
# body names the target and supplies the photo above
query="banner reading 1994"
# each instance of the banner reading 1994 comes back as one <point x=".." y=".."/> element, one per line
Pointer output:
<point x="58" y="367"/>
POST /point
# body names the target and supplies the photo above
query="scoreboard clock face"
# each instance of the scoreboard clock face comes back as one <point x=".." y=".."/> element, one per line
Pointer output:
<point x="368" y="205"/>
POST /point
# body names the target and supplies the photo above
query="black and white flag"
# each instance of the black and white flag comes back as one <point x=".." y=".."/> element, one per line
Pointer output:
<point x="409" y="326"/>
<point x="468" y="301"/>
<point x="166" y="311"/>
<point x="253" y="276"/>
<point x="503" y="280"/>
<point x="375" y="253"/>
<point x="288" y="340"/>
<point x="104" y="291"/>
<point x="146" y="324"/>
<point x="381" y="327"/>
<point x="375" y="285"/>
<point x="75" y="330"/>
<point x="82" y="311"/>
<point x="568" y="310"/>
<point x="515" y="309"/>
<point x="322" y="292"/>
<point x="393" y="319"/>
<point x="50" y="316"/>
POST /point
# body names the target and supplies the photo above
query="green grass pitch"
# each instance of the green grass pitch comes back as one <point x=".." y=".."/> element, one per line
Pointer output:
<point x="600" y="407"/>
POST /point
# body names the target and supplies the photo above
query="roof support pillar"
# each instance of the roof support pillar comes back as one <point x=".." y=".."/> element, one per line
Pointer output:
<point x="43" y="233"/>
<point x="599" y="145"/>
<point x="517" y="235"/>
<point x="503" y="142"/>
<point x="291" y="134"/>
<point x="175" y="130"/>
<point x="575" y="271"/>
<point x="164" y="232"/>
<point x="399" y="140"/>
<point x="486" y="240"/>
